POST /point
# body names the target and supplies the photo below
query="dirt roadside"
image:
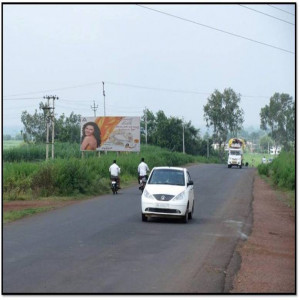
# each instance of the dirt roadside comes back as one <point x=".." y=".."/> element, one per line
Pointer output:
<point x="268" y="256"/>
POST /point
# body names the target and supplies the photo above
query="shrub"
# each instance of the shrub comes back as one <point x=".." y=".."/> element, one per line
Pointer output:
<point x="283" y="170"/>
<point x="43" y="183"/>
<point x="263" y="169"/>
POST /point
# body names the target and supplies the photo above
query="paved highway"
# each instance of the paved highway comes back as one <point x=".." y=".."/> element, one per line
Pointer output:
<point x="102" y="246"/>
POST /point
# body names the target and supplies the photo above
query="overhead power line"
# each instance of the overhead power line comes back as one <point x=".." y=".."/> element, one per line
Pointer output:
<point x="156" y="89"/>
<point x="266" y="14"/>
<point x="281" y="9"/>
<point x="21" y="98"/>
<point x="172" y="91"/>
<point x="56" y="89"/>
<point x="216" y="29"/>
<point x="129" y="86"/>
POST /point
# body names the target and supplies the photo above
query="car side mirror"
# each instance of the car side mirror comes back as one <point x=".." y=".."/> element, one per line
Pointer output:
<point x="190" y="183"/>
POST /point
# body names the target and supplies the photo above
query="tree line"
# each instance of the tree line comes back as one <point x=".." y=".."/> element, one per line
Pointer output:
<point x="222" y="113"/>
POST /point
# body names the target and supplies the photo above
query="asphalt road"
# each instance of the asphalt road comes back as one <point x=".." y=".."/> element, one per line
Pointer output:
<point x="102" y="246"/>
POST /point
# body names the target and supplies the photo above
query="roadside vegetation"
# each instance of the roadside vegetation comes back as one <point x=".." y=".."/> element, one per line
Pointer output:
<point x="70" y="174"/>
<point x="281" y="174"/>
<point x="27" y="176"/>
<point x="281" y="170"/>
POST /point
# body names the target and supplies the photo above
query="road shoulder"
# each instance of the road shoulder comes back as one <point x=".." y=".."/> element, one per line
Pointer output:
<point x="268" y="256"/>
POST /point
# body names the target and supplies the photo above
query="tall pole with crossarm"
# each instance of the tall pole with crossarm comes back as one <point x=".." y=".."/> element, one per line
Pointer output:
<point x="104" y="97"/>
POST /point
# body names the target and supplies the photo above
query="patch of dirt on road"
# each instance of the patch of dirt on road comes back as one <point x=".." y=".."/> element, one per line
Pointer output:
<point x="268" y="256"/>
<point x="24" y="204"/>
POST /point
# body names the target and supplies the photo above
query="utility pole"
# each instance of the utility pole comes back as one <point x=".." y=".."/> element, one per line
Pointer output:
<point x="94" y="108"/>
<point x="46" y="110"/>
<point x="53" y="119"/>
<point x="183" y="146"/>
<point x="104" y="97"/>
<point x="50" y="116"/>
<point x="207" y="147"/>
<point x="146" y="129"/>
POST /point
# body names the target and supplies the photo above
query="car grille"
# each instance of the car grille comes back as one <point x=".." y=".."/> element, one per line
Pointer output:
<point x="163" y="197"/>
<point x="163" y="210"/>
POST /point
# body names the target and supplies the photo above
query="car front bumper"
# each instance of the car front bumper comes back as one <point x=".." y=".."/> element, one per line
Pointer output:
<point x="234" y="163"/>
<point x="168" y="208"/>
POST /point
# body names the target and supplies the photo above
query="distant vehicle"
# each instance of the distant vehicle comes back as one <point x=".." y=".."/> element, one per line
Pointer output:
<point x="235" y="153"/>
<point x="169" y="192"/>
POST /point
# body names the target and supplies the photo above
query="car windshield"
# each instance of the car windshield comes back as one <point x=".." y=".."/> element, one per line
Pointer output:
<point x="167" y="176"/>
<point x="235" y="152"/>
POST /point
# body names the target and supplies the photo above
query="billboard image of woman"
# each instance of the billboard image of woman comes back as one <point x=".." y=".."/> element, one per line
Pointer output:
<point x="91" y="136"/>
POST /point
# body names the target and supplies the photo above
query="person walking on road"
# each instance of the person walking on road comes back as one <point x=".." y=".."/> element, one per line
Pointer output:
<point x="114" y="171"/>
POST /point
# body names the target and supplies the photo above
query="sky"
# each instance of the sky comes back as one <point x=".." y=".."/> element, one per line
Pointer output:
<point x="169" y="57"/>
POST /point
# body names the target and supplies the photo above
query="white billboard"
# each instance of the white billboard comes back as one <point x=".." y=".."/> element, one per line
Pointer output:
<point x="110" y="134"/>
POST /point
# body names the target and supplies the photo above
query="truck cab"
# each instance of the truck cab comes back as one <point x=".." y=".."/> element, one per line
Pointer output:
<point x="235" y="158"/>
<point x="235" y="152"/>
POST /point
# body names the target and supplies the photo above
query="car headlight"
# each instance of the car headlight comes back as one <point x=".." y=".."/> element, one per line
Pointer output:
<point x="146" y="194"/>
<point x="179" y="196"/>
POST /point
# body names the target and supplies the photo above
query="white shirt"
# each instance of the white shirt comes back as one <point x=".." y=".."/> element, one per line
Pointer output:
<point x="143" y="168"/>
<point x="114" y="170"/>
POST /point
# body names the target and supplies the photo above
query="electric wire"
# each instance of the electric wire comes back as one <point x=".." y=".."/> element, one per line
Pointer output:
<point x="156" y="89"/>
<point x="56" y="89"/>
<point x="281" y="9"/>
<point x="21" y="98"/>
<point x="265" y="14"/>
<point x="170" y="90"/>
<point x="128" y="86"/>
<point x="216" y="29"/>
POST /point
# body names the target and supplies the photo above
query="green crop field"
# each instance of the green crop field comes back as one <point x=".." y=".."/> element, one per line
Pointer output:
<point x="11" y="144"/>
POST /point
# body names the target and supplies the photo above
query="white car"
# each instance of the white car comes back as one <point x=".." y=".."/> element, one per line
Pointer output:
<point x="169" y="192"/>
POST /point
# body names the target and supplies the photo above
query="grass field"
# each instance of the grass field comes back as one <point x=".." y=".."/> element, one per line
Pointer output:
<point x="254" y="159"/>
<point x="11" y="144"/>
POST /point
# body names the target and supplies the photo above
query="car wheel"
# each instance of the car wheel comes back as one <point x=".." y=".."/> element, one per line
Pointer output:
<point x="185" y="218"/>
<point x="144" y="218"/>
<point x="229" y="166"/>
<point x="191" y="213"/>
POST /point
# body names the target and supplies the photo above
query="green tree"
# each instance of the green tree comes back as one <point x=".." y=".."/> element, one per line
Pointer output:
<point x="151" y="126"/>
<point x="34" y="125"/>
<point x="168" y="132"/>
<point x="67" y="129"/>
<point x="18" y="136"/>
<point x="222" y="112"/>
<point x="7" y="137"/>
<point x="265" y="143"/>
<point x="192" y="140"/>
<point x="279" y="118"/>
